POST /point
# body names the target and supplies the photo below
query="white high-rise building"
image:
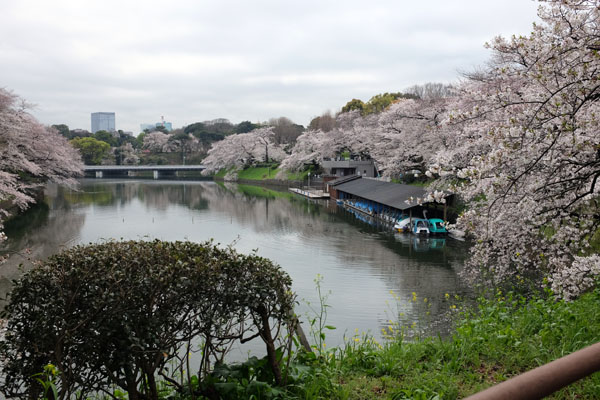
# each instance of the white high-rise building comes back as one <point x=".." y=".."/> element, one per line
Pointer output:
<point x="103" y="121"/>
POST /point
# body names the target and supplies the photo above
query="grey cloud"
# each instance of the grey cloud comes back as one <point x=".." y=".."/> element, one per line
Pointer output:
<point x="191" y="60"/>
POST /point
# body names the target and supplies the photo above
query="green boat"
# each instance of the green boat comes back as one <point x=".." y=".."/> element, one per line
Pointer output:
<point x="436" y="226"/>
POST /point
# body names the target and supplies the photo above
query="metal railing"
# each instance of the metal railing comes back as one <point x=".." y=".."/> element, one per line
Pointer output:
<point x="547" y="379"/>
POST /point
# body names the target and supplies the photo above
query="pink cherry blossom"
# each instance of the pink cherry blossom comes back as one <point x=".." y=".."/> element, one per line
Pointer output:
<point x="30" y="155"/>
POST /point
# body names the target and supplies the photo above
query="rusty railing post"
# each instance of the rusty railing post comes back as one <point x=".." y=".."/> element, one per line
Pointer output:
<point x="546" y="379"/>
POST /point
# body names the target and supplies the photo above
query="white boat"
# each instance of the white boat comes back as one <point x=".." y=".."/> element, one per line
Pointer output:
<point x="420" y="226"/>
<point x="403" y="225"/>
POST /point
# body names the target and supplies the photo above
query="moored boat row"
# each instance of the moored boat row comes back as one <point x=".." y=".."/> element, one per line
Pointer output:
<point x="421" y="226"/>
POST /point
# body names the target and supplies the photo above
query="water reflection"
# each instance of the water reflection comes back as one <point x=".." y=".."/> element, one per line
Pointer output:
<point x="37" y="234"/>
<point x="359" y="263"/>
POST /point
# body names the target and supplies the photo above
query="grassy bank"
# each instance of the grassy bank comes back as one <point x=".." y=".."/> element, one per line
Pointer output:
<point x="501" y="338"/>
<point x="258" y="173"/>
<point x="261" y="173"/>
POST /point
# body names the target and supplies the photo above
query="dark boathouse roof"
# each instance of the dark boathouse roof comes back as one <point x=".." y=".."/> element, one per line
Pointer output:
<point x="394" y="195"/>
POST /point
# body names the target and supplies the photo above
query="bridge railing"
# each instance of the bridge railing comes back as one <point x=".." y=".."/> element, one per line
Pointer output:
<point x="141" y="167"/>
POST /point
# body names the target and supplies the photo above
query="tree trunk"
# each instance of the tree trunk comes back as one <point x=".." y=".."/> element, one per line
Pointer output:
<point x="271" y="353"/>
<point x="132" y="391"/>
<point x="152" y="384"/>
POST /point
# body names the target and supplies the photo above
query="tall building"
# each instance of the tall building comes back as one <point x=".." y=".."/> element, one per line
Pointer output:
<point x="151" y="127"/>
<point x="103" y="121"/>
<point x="167" y="125"/>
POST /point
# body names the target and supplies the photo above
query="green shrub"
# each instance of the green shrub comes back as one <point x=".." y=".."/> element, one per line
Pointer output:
<point x="118" y="314"/>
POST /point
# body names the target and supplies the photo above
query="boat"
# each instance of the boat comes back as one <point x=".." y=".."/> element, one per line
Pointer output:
<point x="436" y="226"/>
<point x="402" y="225"/>
<point x="420" y="226"/>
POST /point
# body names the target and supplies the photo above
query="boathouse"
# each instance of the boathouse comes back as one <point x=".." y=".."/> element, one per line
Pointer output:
<point x="385" y="199"/>
<point x="341" y="168"/>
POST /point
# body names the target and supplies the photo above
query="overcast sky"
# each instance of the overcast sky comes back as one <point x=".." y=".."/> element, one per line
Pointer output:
<point x="242" y="60"/>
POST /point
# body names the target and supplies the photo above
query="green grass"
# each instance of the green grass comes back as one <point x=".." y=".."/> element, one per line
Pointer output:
<point x="595" y="242"/>
<point x="298" y="176"/>
<point x="221" y="173"/>
<point x="504" y="337"/>
<point x="498" y="339"/>
<point x="258" y="173"/>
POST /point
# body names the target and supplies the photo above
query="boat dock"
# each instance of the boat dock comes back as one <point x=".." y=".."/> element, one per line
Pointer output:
<point x="385" y="201"/>
<point x="385" y="219"/>
<point x="311" y="193"/>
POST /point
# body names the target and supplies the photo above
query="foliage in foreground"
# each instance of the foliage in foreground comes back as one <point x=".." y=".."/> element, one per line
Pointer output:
<point x="500" y="338"/>
<point x="119" y="314"/>
<point x="503" y="336"/>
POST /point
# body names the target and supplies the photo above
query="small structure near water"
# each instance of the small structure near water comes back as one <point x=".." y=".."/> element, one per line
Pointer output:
<point x="350" y="167"/>
<point x="384" y="200"/>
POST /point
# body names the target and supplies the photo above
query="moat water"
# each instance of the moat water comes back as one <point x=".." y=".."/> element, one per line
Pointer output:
<point x="371" y="276"/>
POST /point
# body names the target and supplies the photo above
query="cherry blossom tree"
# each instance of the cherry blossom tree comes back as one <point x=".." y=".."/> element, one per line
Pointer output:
<point x="432" y="90"/>
<point x="182" y="142"/>
<point x="518" y="140"/>
<point x="237" y="151"/>
<point x="408" y="136"/>
<point x="524" y="145"/>
<point x="30" y="156"/>
<point x="403" y="138"/>
<point x="157" y="142"/>
<point x="127" y="155"/>
<point x="310" y="148"/>
<point x="352" y="133"/>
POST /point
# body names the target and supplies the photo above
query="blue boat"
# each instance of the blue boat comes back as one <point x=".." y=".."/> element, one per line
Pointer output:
<point x="420" y="226"/>
<point x="436" y="226"/>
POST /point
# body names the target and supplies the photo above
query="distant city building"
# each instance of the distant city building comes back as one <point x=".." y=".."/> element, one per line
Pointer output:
<point x="150" y="127"/>
<point x="167" y="125"/>
<point x="103" y="121"/>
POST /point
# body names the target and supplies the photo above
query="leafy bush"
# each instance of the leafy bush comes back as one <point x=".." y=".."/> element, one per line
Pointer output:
<point x="117" y="314"/>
